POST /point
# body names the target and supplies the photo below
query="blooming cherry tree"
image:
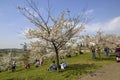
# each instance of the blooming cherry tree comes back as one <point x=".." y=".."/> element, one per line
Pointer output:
<point x="55" y="31"/>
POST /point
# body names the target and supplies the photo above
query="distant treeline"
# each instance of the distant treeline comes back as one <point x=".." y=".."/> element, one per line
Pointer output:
<point x="10" y="50"/>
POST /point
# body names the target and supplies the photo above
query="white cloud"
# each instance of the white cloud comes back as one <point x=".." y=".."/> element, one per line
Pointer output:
<point x="114" y="24"/>
<point x="88" y="12"/>
<point x="23" y="33"/>
<point x="111" y="26"/>
<point x="93" y="27"/>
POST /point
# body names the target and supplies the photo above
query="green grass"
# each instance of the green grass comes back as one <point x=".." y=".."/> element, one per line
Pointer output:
<point x="77" y="67"/>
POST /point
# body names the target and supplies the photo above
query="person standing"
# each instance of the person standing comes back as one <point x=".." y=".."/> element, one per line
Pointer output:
<point x="117" y="53"/>
<point x="107" y="51"/>
<point x="93" y="52"/>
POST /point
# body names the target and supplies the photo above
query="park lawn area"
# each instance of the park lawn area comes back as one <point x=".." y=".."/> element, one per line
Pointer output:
<point x="78" y="66"/>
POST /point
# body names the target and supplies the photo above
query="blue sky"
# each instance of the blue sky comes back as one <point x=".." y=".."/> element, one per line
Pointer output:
<point x="106" y="15"/>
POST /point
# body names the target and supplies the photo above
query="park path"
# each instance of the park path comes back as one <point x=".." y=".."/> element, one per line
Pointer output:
<point x="110" y="72"/>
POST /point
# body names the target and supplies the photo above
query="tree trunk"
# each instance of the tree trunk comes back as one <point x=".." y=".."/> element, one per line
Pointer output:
<point x="57" y="56"/>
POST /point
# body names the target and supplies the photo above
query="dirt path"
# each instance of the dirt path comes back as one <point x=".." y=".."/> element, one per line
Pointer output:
<point x="110" y="72"/>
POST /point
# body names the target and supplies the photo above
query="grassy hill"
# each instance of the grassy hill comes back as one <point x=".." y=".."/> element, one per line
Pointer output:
<point x="77" y="67"/>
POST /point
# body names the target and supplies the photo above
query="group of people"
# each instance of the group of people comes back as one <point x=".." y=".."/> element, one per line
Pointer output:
<point x="54" y="66"/>
<point x="98" y="50"/>
<point x="38" y="62"/>
<point x="27" y="65"/>
<point x="107" y="52"/>
<point x="63" y="63"/>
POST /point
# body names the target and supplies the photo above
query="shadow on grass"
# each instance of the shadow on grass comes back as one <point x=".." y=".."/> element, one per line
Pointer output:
<point x="10" y="79"/>
<point x="106" y="58"/>
<point x="79" y="69"/>
<point x="18" y="70"/>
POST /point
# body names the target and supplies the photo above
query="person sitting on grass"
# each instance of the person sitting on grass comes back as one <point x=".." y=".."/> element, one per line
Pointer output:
<point x="63" y="64"/>
<point x="41" y="60"/>
<point x="37" y="63"/>
<point x="53" y="66"/>
<point x="13" y="67"/>
<point x="27" y="66"/>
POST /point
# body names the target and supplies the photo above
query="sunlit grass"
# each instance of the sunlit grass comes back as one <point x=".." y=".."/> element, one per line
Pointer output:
<point x="77" y="66"/>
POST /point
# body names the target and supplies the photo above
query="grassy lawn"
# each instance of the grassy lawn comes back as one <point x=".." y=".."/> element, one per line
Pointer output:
<point x="77" y="67"/>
